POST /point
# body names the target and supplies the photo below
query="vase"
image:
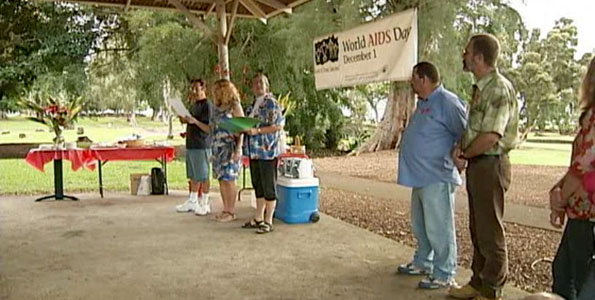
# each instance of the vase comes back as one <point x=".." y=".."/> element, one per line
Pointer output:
<point x="58" y="139"/>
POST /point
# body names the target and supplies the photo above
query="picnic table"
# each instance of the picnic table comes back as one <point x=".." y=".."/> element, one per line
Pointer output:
<point x="90" y="158"/>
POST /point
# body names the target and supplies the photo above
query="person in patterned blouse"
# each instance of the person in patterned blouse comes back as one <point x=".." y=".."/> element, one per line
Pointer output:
<point x="263" y="149"/>
<point x="573" y="196"/>
<point x="492" y="131"/>
<point x="226" y="146"/>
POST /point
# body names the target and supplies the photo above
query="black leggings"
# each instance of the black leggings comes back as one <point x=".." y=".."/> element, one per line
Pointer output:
<point x="571" y="264"/>
<point x="264" y="178"/>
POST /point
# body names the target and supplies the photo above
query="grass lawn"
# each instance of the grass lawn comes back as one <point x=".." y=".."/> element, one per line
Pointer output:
<point x="544" y="149"/>
<point x="105" y="129"/>
<point x="19" y="178"/>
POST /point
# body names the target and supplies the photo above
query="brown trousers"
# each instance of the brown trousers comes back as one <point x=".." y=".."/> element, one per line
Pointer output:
<point x="488" y="178"/>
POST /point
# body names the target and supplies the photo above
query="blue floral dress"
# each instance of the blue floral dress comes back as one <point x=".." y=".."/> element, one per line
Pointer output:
<point x="223" y="147"/>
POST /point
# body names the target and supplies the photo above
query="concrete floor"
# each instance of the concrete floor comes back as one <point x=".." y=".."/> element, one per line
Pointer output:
<point x="130" y="247"/>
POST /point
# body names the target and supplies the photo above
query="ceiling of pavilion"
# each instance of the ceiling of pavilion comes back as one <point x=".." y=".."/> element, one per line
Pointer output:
<point x="261" y="9"/>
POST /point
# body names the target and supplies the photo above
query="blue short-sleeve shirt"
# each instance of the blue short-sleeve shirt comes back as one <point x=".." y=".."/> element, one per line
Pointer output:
<point x="436" y="125"/>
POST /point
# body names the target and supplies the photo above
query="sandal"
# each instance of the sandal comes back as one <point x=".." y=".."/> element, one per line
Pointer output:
<point x="227" y="217"/>
<point x="264" y="228"/>
<point x="220" y="215"/>
<point x="253" y="223"/>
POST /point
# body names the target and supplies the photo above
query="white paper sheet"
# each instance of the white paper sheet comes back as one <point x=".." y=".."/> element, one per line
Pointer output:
<point x="178" y="107"/>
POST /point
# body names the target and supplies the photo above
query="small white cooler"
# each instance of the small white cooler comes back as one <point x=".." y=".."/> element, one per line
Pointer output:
<point x="297" y="200"/>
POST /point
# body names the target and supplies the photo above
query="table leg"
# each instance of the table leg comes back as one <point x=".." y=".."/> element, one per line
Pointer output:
<point x="244" y="188"/>
<point x="164" y="164"/>
<point x="99" y="165"/>
<point x="58" y="184"/>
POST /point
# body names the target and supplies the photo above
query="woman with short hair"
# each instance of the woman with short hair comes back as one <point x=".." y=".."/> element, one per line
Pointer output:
<point x="263" y="149"/>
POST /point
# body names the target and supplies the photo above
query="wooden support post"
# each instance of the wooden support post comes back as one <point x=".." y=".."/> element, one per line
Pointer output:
<point x="221" y="43"/>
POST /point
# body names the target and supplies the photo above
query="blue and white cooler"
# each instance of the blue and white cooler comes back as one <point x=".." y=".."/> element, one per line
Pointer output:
<point x="297" y="192"/>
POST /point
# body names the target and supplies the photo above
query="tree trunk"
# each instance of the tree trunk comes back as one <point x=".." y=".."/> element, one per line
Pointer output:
<point x="399" y="109"/>
<point x="131" y="118"/>
<point x="170" y="127"/>
<point x="154" y="114"/>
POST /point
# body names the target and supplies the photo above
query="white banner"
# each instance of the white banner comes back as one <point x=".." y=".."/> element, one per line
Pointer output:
<point x="384" y="50"/>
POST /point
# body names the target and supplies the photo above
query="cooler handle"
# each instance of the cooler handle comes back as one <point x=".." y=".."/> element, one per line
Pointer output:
<point x="305" y="194"/>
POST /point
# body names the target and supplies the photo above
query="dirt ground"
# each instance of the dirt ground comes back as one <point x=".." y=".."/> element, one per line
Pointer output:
<point x="530" y="184"/>
<point x="127" y="247"/>
<point x="530" y="249"/>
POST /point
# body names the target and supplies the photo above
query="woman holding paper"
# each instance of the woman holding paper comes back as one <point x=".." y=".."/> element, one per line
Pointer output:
<point x="263" y="152"/>
<point x="574" y="197"/>
<point x="226" y="146"/>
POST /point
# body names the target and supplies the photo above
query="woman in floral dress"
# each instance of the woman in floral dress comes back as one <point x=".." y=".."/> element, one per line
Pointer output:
<point x="573" y="197"/>
<point x="226" y="146"/>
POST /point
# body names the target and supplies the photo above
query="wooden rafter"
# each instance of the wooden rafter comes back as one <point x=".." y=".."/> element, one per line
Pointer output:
<point x="210" y="10"/>
<point x="192" y="18"/>
<point x="277" y="5"/>
<point x="255" y="10"/>
<point x="232" y="21"/>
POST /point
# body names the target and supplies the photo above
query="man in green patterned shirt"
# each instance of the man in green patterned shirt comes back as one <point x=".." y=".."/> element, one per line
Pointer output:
<point x="492" y="131"/>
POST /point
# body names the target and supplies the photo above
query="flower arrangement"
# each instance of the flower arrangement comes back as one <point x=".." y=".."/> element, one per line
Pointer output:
<point x="55" y="112"/>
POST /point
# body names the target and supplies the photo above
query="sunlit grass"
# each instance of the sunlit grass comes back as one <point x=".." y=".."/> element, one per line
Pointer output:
<point x="105" y="129"/>
<point x="18" y="177"/>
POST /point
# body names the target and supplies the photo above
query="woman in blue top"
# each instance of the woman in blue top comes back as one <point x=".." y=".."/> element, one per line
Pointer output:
<point x="263" y="149"/>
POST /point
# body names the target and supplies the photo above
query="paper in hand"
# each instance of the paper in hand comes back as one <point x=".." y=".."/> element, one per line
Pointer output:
<point x="178" y="107"/>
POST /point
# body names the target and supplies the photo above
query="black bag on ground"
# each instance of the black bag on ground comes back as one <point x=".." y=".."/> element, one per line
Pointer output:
<point x="157" y="182"/>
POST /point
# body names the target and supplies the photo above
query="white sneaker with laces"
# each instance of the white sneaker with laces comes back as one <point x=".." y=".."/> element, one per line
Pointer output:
<point x="203" y="207"/>
<point x="189" y="206"/>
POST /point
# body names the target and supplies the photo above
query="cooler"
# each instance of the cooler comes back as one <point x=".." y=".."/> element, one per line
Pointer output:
<point x="298" y="200"/>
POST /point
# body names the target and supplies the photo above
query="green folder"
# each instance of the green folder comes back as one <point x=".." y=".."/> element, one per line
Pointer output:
<point x="239" y="124"/>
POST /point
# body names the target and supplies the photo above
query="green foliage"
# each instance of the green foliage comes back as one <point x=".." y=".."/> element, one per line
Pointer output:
<point x="283" y="50"/>
<point x="125" y="60"/>
<point x="548" y="78"/>
<point x="43" y="41"/>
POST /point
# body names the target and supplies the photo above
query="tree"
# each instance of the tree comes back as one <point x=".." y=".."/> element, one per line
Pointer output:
<point x="559" y="49"/>
<point x="548" y="78"/>
<point x="533" y="80"/>
<point x="46" y="41"/>
<point x="444" y="28"/>
<point x="283" y="50"/>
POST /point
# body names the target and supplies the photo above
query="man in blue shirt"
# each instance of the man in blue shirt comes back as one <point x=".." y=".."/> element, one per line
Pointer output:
<point x="425" y="165"/>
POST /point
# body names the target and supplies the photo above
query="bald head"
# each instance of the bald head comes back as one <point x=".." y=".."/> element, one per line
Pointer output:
<point x="543" y="296"/>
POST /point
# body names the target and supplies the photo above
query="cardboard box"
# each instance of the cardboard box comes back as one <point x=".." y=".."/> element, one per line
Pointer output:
<point x="135" y="182"/>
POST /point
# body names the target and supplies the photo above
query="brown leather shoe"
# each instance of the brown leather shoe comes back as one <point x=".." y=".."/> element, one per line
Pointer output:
<point x="464" y="292"/>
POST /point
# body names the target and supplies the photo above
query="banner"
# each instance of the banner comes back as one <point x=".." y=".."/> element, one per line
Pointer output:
<point x="384" y="50"/>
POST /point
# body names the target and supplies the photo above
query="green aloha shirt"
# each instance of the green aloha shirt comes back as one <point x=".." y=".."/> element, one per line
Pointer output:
<point x="494" y="110"/>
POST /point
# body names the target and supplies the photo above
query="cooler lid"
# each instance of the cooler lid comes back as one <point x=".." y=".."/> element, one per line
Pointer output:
<point x="297" y="182"/>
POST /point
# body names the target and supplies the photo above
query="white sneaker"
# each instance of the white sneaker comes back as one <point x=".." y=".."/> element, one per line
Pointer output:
<point x="203" y="207"/>
<point x="188" y="206"/>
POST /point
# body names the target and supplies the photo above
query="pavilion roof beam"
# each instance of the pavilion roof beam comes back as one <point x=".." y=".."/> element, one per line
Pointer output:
<point x="255" y="10"/>
<point x="210" y="10"/>
<point x="232" y="21"/>
<point x="193" y="18"/>
<point x="277" y="5"/>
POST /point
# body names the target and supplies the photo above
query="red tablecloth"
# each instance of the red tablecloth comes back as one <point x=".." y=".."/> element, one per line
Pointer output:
<point x="88" y="157"/>
<point x="142" y="153"/>
<point x="79" y="158"/>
